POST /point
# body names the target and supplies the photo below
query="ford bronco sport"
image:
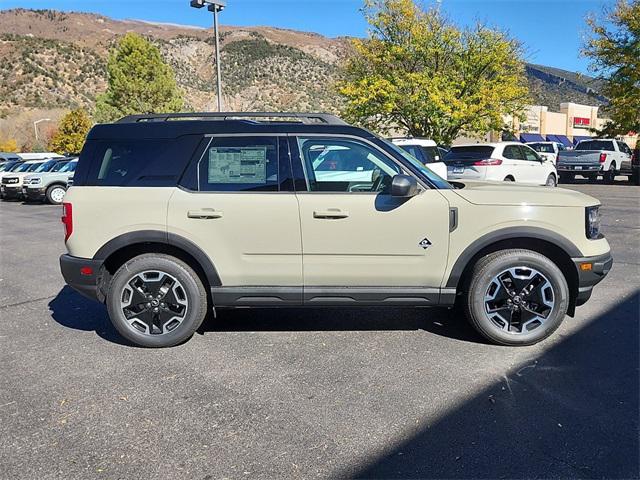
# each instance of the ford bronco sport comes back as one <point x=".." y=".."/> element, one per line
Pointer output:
<point x="171" y="216"/>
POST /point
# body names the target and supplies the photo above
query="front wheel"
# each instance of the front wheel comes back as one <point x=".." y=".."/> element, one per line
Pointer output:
<point x="55" y="194"/>
<point x="156" y="300"/>
<point x="551" y="181"/>
<point x="516" y="297"/>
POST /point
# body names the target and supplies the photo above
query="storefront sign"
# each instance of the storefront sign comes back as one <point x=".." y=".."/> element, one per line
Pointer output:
<point x="581" y="122"/>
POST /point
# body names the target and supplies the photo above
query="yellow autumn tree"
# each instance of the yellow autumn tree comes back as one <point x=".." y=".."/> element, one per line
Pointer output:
<point x="71" y="133"/>
<point x="8" y="145"/>
<point x="418" y="72"/>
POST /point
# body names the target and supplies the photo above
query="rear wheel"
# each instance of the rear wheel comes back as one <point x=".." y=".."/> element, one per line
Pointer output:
<point x="516" y="297"/>
<point x="55" y="194"/>
<point x="509" y="179"/>
<point x="610" y="175"/>
<point x="566" y="178"/>
<point x="156" y="300"/>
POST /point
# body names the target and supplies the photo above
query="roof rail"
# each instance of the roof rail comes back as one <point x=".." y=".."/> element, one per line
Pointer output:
<point x="307" y="118"/>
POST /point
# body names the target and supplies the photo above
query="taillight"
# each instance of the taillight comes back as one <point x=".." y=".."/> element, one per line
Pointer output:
<point x="67" y="220"/>
<point x="488" y="162"/>
<point x="603" y="157"/>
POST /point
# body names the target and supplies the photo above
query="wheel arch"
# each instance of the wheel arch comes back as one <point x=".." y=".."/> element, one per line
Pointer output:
<point x="124" y="247"/>
<point x="556" y="247"/>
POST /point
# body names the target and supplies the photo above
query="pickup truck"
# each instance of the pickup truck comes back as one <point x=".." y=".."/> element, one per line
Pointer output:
<point x="606" y="157"/>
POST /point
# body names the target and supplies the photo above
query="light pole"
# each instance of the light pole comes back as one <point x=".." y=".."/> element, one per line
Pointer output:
<point x="35" y="126"/>
<point x="214" y="6"/>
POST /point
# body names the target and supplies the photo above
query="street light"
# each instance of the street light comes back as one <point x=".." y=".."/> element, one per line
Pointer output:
<point x="214" y="6"/>
<point x="35" y="126"/>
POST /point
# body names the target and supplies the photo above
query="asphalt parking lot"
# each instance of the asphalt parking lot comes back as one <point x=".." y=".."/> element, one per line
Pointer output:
<point x="373" y="393"/>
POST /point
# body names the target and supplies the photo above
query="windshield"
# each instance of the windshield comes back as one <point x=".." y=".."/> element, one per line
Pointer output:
<point x="479" y="152"/>
<point x="24" y="167"/>
<point x="69" y="167"/>
<point x="34" y="167"/>
<point x="44" y="167"/>
<point x="595" y="145"/>
<point x="6" y="166"/>
<point x="59" y="166"/>
<point x="437" y="180"/>
<point x="542" y="147"/>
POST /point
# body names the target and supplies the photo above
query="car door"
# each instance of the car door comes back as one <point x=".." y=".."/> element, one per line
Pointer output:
<point x="515" y="163"/>
<point x="533" y="170"/>
<point x="359" y="240"/>
<point x="237" y="204"/>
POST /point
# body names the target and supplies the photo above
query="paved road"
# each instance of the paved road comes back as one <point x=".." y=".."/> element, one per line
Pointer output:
<point x="312" y="393"/>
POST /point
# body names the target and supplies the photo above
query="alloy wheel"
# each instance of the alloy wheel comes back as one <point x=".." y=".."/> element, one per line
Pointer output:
<point x="154" y="302"/>
<point x="519" y="300"/>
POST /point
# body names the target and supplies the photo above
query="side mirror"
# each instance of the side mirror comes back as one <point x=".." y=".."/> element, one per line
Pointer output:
<point x="404" y="186"/>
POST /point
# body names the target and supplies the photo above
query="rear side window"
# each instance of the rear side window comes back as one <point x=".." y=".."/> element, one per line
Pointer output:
<point x="135" y="162"/>
<point x="240" y="164"/>
<point x="469" y="153"/>
<point x="595" y="145"/>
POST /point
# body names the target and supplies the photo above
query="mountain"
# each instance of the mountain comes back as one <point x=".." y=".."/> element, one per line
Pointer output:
<point x="56" y="60"/>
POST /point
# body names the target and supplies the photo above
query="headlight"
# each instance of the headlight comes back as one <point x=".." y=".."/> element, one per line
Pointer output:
<point x="592" y="216"/>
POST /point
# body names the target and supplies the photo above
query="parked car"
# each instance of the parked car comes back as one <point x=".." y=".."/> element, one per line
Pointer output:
<point x="635" y="166"/>
<point x="503" y="161"/>
<point x="426" y="151"/>
<point x="11" y="182"/>
<point x="606" y="157"/>
<point x="39" y="155"/>
<point x="549" y="150"/>
<point x="50" y="186"/>
<point x="167" y="220"/>
<point x="9" y="165"/>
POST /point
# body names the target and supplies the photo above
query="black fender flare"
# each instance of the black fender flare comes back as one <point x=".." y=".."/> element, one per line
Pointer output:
<point x="157" y="236"/>
<point x="528" y="233"/>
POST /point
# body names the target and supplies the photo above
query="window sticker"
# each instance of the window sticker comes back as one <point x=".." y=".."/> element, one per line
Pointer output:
<point x="237" y="165"/>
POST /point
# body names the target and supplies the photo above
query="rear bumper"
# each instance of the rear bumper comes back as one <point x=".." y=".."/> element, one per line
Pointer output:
<point x="577" y="168"/>
<point x="82" y="281"/>
<point x="589" y="278"/>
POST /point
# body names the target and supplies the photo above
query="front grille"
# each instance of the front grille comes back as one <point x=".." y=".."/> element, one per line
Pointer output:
<point x="9" y="181"/>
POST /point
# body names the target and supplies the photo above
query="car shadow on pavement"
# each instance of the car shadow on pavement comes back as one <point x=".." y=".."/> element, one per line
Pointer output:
<point x="571" y="412"/>
<point x="72" y="310"/>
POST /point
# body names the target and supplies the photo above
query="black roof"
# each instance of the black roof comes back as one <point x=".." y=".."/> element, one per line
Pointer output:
<point x="175" y="125"/>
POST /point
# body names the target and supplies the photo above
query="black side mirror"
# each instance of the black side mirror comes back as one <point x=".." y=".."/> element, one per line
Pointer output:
<point x="404" y="186"/>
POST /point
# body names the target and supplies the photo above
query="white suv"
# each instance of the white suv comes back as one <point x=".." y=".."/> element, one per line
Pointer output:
<point x="504" y="161"/>
<point x="426" y="151"/>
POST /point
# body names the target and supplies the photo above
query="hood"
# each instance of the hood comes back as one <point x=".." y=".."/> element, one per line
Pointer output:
<point x="20" y="175"/>
<point x="506" y="193"/>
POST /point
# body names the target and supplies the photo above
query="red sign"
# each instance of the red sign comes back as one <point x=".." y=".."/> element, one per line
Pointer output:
<point x="581" y="122"/>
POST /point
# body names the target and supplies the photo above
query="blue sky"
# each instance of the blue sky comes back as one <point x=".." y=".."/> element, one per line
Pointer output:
<point x="551" y="30"/>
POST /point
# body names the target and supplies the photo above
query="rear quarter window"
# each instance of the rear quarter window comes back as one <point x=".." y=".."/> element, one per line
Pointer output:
<point x="134" y="162"/>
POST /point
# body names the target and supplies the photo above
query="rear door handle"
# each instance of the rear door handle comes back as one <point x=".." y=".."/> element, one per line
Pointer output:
<point x="331" y="213"/>
<point x="204" y="214"/>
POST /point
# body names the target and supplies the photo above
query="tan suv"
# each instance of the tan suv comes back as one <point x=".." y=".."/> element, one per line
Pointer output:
<point x="172" y="216"/>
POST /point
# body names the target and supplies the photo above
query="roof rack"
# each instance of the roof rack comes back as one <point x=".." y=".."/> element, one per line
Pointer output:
<point x="306" y="118"/>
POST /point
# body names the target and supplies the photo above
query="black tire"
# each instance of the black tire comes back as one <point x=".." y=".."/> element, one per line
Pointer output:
<point x="634" y="179"/>
<point x="551" y="181"/>
<point x="482" y="281"/>
<point x="53" y="196"/>
<point x="509" y="179"/>
<point x="192" y="290"/>
<point x="566" y="178"/>
<point x="592" y="178"/>
<point x="609" y="176"/>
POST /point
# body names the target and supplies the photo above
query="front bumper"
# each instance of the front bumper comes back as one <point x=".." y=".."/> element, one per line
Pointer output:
<point x="33" y="193"/>
<point x="11" y="191"/>
<point x="81" y="280"/>
<point x="591" y="271"/>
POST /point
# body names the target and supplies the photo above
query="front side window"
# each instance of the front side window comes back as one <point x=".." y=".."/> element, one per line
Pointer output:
<point x="530" y="155"/>
<point x="344" y="165"/>
<point x="513" y="152"/>
<point x="233" y="164"/>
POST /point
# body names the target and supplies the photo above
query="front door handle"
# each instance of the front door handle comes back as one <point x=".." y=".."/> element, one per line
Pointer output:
<point x="204" y="214"/>
<point x="331" y="213"/>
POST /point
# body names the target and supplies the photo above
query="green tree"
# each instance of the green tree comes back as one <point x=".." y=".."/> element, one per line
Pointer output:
<point x="71" y="133"/>
<point x="419" y="72"/>
<point x="614" y="48"/>
<point x="139" y="81"/>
